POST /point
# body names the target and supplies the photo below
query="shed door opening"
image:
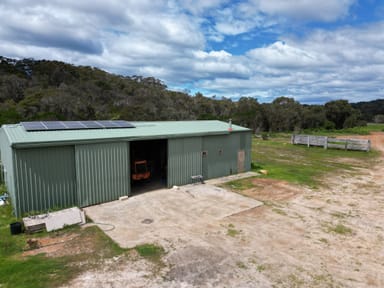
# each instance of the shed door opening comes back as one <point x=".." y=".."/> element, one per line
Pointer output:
<point x="148" y="165"/>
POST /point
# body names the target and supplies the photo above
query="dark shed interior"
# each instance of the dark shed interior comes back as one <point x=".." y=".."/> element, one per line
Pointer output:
<point x="148" y="156"/>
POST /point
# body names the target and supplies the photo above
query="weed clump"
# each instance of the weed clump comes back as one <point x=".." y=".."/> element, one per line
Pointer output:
<point x="340" y="229"/>
<point x="151" y="251"/>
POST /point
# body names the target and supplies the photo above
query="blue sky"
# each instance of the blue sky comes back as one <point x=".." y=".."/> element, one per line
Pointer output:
<point x="314" y="51"/>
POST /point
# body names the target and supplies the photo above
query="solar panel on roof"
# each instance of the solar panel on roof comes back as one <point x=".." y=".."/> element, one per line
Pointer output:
<point x="53" y="125"/>
<point x="33" y="126"/>
<point x="75" y="125"/>
<point x="108" y="124"/>
<point x="123" y="124"/>
<point x="91" y="124"/>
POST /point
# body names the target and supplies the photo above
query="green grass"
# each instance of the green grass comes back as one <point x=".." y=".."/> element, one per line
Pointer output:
<point x="150" y="251"/>
<point x="242" y="184"/>
<point x="279" y="211"/>
<point x="323" y="240"/>
<point x="300" y="164"/>
<point x="17" y="271"/>
<point x="33" y="272"/>
<point x="241" y="265"/>
<point x="363" y="130"/>
<point x="340" y="229"/>
<point x="153" y="253"/>
<point x="260" y="268"/>
<point x="232" y="232"/>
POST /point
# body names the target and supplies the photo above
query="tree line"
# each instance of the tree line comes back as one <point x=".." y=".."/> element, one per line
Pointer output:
<point x="32" y="90"/>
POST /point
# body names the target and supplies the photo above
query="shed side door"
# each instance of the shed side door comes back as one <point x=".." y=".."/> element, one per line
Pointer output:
<point x="184" y="160"/>
<point x="102" y="172"/>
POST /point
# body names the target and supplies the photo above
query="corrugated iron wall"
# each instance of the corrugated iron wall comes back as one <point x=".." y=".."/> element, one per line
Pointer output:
<point x="102" y="172"/>
<point x="44" y="179"/>
<point x="7" y="162"/>
<point x="221" y="154"/>
<point x="184" y="160"/>
<point x="89" y="174"/>
<point x="248" y="149"/>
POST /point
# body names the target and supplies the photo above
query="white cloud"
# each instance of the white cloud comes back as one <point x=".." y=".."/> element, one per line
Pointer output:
<point x="244" y="16"/>
<point x="325" y="10"/>
<point x="199" y="7"/>
<point x="281" y="55"/>
<point x="228" y="22"/>
<point x="361" y="46"/>
<point x="219" y="55"/>
<point x="343" y="64"/>
<point x="190" y="42"/>
<point x="144" y="32"/>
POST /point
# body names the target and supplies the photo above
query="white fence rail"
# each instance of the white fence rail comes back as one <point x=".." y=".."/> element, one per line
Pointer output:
<point x="335" y="143"/>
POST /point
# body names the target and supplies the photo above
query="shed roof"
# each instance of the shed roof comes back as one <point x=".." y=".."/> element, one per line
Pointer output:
<point x="18" y="137"/>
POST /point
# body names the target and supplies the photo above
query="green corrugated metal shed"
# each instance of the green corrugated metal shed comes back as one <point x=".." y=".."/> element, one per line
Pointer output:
<point x="49" y="169"/>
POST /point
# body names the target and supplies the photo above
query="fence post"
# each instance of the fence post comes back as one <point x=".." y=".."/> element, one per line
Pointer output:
<point x="308" y="141"/>
<point x="369" y="145"/>
<point x="326" y="142"/>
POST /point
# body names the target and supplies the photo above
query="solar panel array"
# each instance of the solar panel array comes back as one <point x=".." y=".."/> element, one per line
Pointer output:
<point x="75" y="125"/>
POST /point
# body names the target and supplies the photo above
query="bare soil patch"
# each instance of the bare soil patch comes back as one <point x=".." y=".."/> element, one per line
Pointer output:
<point x="332" y="236"/>
<point x="61" y="244"/>
<point x="270" y="189"/>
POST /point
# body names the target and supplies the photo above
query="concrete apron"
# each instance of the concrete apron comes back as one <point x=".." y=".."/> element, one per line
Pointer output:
<point x="167" y="214"/>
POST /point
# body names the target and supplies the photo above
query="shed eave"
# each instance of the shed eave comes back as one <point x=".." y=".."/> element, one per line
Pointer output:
<point x="116" y="139"/>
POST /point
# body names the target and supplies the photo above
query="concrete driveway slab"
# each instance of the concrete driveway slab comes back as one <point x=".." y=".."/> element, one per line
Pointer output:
<point x="168" y="213"/>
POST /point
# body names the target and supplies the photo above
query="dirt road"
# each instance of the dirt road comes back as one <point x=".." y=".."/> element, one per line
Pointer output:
<point x="327" y="237"/>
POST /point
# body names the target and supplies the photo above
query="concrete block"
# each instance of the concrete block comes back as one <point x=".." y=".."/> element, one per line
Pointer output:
<point x="54" y="220"/>
<point x="57" y="220"/>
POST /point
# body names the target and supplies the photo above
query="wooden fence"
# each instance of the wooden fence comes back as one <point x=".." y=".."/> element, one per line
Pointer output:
<point x="328" y="142"/>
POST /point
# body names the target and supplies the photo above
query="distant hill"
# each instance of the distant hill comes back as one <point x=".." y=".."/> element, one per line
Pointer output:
<point x="370" y="109"/>
<point x="52" y="90"/>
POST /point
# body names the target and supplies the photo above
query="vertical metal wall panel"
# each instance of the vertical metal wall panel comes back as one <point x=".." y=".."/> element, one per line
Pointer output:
<point x="7" y="155"/>
<point x="102" y="172"/>
<point x="221" y="155"/>
<point x="45" y="178"/>
<point x="184" y="160"/>
<point x="222" y="152"/>
<point x="248" y="149"/>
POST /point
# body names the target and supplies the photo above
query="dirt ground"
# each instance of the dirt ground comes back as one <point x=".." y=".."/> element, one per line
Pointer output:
<point x="327" y="237"/>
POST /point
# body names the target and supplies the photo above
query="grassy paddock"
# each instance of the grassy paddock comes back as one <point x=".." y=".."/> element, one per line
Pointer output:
<point x="363" y="130"/>
<point x="17" y="271"/>
<point x="300" y="164"/>
<point x="91" y="247"/>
